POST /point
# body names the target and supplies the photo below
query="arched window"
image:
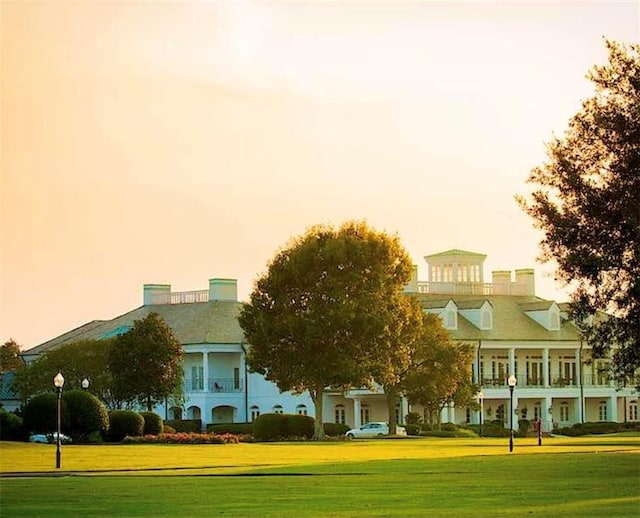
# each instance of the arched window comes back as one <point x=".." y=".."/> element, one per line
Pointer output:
<point x="364" y="414"/>
<point x="301" y="410"/>
<point x="255" y="412"/>
<point x="339" y="414"/>
<point x="277" y="409"/>
<point x="176" y="412"/>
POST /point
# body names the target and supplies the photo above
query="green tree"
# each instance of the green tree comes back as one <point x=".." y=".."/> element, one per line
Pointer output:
<point x="10" y="359"/>
<point x="586" y="201"/>
<point x="316" y="318"/>
<point x="145" y="363"/>
<point x="76" y="361"/>
<point x="440" y="372"/>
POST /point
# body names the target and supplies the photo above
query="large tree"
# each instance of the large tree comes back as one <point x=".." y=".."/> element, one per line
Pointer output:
<point x="440" y="372"/>
<point x="10" y="359"/>
<point x="315" y="319"/>
<point x="76" y="361"/>
<point x="586" y="201"/>
<point x="145" y="363"/>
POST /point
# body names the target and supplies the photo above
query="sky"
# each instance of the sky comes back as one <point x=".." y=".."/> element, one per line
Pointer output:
<point x="173" y="142"/>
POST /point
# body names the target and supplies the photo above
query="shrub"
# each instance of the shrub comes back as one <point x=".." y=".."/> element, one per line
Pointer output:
<point x="169" y="429"/>
<point x="299" y="426"/>
<point x="185" y="425"/>
<point x="152" y="423"/>
<point x="83" y="415"/>
<point x="270" y="427"/>
<point x="592" y="428"/>
<point x="335" y="429"/>
<point x="40" y="414"/>
<point x="523" y="425"/>
<point x="125" y="423"/>
<point x="10" y="427"/>
<point x="412" y="429"/>
<point x="449" y="427"/>
<point x="185" y="438"/>
<point x="233" y="428"/>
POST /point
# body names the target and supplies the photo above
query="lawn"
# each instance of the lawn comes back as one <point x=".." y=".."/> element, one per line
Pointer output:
<point x="424" y="477"/>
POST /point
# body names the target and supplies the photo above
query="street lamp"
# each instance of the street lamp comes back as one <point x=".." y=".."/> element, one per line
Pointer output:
<point x="85" y="384"/>
<point x="512" y="382"/>
<point x="481" y="401"/>
<point x="58" y="382"/>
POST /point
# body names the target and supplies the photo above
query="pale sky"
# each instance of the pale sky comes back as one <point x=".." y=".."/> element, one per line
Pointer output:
<point x="173" y="142"/>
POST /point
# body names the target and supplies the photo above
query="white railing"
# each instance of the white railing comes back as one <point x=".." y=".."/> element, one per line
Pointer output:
<point x="180" y="297"/>
<point x="470" y="288"/>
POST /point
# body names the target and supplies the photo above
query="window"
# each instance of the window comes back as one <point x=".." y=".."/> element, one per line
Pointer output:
<point x="436" y="274"/>
<point x="602" y="411"/>
<point x="537" y="412"/>
<point x="463" y="274"/>
<point x="197" y="377"/>
<point x="475" y="273"/>
<point x="277" y="409"/>
<point x="301" y="410"/>
<point x="554" y="320"/>
<point x="564" y="411"/>
<point x="633" y="411"/>
<point x="500" y="413"/>
<point x="447" y="273"/>
<point x="339" y="414"/>
<point x="255" y="412"/>
<point x="176" y="412"/>
<point x="486" y="320"/>
<point x="236" y="378"/>
<point x="364" y="414"/>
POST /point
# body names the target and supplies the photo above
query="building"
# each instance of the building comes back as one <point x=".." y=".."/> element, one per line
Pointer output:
<point x="513" y="332"/>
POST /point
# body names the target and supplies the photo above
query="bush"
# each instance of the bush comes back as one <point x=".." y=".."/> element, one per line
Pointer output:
<point x="185" y="425"/>
<point x="125" y="423"/>
<point x="413" y="418"/>
<point x="299" y="426"/>
<point x="11" y="427"/>
<point x="169" y="429"/>
<point x="152" y="423"/>
<point x="335" y="429"/>
<point x="83" y="415"/>
<point x="40" y="414"/>
<point x="523" y="425"/>
<point x="270" y="427"/>
<point x="412" y="429"/>
<point x="597" y="428"/>
<point x="185" y="438"/>
<point x="232" y="428"/>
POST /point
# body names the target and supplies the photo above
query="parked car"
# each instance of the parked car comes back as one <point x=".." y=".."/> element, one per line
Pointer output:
<point x="50" y="438"/>
<point x="373" y="429"/>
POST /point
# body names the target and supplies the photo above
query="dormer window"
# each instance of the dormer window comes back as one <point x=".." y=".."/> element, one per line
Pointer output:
<point x="554" y="318"/>
<point x="449" y="316"/>
<point x="479" y="312"/>
<point x="545" y="312"/>
<point x="486" y="317"/>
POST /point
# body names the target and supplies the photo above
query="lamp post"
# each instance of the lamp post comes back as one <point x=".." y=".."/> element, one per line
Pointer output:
<point x="58" y="382"/>
<point x="481" y="401"/>
<point x="512" y="382"/>
<point x="85" y="384"/>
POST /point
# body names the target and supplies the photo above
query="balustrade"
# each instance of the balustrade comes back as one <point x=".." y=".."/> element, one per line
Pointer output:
<point x="215" y="385"/>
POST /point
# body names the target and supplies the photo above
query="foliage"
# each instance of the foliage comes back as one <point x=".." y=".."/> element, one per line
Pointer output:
<point x="412" y="429"/>
<point x="320" y="314"/>
<point x="187" y="438"/>
<point x="76" y="361"/>
<point x="440" y="372"/>
<point x="413" y="418"/>
<point x="123" y="423"/>
<point x="232" y="428"/>
<point x="152" y="423"/>
<point x="587" y="205"/>
<point x="270" y="427"/>
<point x="299" y="426"/>
<point x="83" y="415"/>
<point x="597" y="428"/>
<point x="184" y="425"/>
<point x="145" y="362"/>
<point x="40" y="414"/>
<point x="11" y="428"/>
<point x="335" y="429"/>
<point x="10" y="359"/>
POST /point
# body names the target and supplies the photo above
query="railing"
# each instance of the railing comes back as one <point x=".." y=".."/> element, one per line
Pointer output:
<point x="556" y="382"/>
<point x="215" y="385"/>
<point x="471" y="288"/>
<point x="180" y="297"/>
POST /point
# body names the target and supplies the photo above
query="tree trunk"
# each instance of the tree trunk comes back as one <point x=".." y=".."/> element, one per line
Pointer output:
<point x="317" y="397"/>
<point x="392" y="396"/>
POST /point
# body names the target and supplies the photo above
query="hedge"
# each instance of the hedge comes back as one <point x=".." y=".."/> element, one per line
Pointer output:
<point x="40" y="414"/>
<point x="152" y="423"/>
<point x="85" y="418"/>
<point x="601" y="427"/>
<point x="185" y="425"/>
<point x="11" y="427"/>
<point x="278" y="427"/>
<point x="335" y="429"/>
<point x="125" y="423"/>
<point x="233" y="428"/>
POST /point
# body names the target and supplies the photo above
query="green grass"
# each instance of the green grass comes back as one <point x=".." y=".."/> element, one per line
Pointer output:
<point x="583" y="477"/>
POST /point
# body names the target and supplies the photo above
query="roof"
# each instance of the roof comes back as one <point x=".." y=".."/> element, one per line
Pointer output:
<point x="510" y="322"/>
<point x="213" y="322"/>
<point x="542" y="305"/>
<point x="455" y="251"/>
<point x="471" y="304"/>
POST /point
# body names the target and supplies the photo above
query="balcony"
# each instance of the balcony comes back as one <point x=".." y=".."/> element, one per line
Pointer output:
<point x="214" y="385"/>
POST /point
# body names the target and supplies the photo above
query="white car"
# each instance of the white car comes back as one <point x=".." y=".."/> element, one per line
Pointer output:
<point x="373" y="429"/>
<point x="49" y="438"/>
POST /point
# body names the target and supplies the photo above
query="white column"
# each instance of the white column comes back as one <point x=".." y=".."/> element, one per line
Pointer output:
<point x="356" y="413"/>
<point x="613" y="409"/>
<point x="578" y="380"/>
<point x="205" y="370"/>
<point x="545" y="367"/>
<point x="547" y="417"/>
<point x="578" y="412"/>
<point x="512" y="362"/>
<point x="516" y="425"/>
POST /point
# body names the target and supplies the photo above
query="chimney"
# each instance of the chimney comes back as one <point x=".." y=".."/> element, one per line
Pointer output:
<point x="525" y="282"/>
<point x="412" y="286"/>
<point x="156" y="294"/>
<point x="223" y="289"/>
<point x="501" y="280"/>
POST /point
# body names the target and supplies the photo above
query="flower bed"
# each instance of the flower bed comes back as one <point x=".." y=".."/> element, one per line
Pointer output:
<point x="188" y="438"/>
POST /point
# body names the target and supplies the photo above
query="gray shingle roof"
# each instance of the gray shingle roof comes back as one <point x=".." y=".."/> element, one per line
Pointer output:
<point x="213" y="322"/>
<point x="6" y="391"/>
